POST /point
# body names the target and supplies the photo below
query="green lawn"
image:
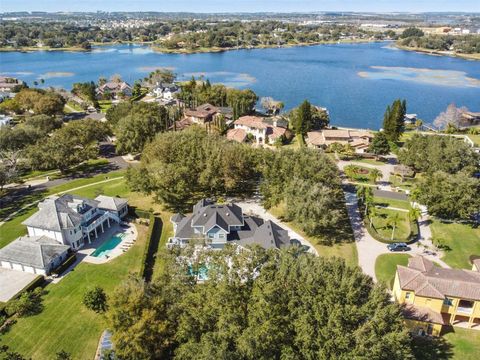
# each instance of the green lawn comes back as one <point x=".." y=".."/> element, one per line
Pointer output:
<point x="475" y="139"/>
<point x="401" y="204"/>
<point x="386" y="266"/>
<point x="381" y="224"/>
<point x="358" y="173"/>
<point x="465" y="343"/>
<point x="345" y="248"/>
<point x="104" y="105"/>
<point x="461" y="241"/>
<point x="369" y="161"/>
<point x="65" y="324"/>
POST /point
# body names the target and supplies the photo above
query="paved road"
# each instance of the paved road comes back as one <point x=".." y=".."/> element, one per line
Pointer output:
<point x="16" y="193"/>
<point x="369" y="249"/>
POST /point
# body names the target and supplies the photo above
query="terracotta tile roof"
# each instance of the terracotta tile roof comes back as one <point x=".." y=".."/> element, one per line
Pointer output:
<point x="252" y="122"/>
<point x="202" y="111"/>
<point x="182" y="124"/>
<point x="328" y="134"/>
<point x="422" y="313"/>
<point x="315" y="138"/>
<point x="427" y="280"/>
<point x="275" y="132"/>
<point x="236" y="135"/>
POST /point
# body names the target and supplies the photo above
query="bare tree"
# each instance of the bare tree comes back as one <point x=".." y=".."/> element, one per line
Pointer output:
<point x="452" y="115"/>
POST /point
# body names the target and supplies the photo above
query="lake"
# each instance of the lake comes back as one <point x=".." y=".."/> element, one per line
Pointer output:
<point x="354" y="81"/>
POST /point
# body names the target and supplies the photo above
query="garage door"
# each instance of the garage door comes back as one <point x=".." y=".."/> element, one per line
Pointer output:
<point x="18" y="267"/>
<point x="29" y="269"/>
<point x="6" y="265"/>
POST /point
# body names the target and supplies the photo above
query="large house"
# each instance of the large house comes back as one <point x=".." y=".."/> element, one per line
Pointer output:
<point x="114" y="89"/>
<point x="262" y="130"/>
<point x="203" y="115"/>
<point x="72" y="220"/>
<point x="164" y="91"/>
<point x="359" y="140"/>
<point x="435" y="297"/>
<point x="220" y="224"/>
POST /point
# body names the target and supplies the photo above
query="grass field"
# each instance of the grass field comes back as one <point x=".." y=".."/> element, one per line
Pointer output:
<point x="345" y="249"/>
<point x="104" y="105"/>
<point x="465" y="343"/>
<point x="461" y="241"/>
<point x="385" y="230"/>
<point x="369" y="161"/>
<point x="65" y="324"/>
<point x="380" y="201"/>
<point x="386" y="266"/>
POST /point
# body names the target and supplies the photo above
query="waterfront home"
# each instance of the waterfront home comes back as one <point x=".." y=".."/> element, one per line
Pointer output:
<point x="435" y="297"/>
<point x="73" y="220"/>
<point x="114" y="89"/>
<point x="263" y="131"/>
<point x="164" y="91"/>
<point x="220" y="224"/>
<point x="33" y="254"/>
<point x="201" y="114"/>
<point x="10" y="84"/>
<point x="410" y="119"/>
<point x="359" y="140"/>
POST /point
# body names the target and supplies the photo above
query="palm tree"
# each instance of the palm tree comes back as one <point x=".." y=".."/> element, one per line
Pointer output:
<point x="393" y="222"/>
<point x="375" y="174"/>
<point x="414" y="213"/>
<point x="372" y="212"/>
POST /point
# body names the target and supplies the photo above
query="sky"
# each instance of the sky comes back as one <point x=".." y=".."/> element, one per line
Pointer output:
<point x="242" y="5"/>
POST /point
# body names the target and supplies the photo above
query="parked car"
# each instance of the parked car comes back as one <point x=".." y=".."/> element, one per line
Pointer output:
<point x="398" y="247"/>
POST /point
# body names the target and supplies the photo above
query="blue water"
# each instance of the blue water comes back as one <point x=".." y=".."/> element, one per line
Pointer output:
<point x="355" y="81"/>
<point x="107" y="246"/>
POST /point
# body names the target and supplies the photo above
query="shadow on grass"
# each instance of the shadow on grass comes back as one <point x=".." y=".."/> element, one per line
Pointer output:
<point x="15" y="199"/>
<point x="431" y="348"/>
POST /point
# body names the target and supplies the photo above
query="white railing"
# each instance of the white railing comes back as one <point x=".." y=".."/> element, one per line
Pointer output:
<point x="465" y="310"/>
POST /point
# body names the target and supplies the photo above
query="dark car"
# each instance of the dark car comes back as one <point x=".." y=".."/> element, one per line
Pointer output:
<point x="398" y="247"/>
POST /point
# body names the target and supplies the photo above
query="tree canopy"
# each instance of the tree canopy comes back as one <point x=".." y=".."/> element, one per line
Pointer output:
<point x="40" y="101"/>
<point x="438" y="153"/>
<point x="257" y="304"/>
<point x="379" y="145"/>
<point x="393" y="120"/>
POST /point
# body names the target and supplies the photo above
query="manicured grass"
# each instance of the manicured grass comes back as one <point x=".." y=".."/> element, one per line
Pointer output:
<point x="345" y="247"/>
<point x="369" y="161"/>
<point x="465" y="343"/>
<point x="104" y="105"/>
<point x="475" y="139"/>
<point x="381" y="222"/>
<point x="386" y="266"/>
<point x="406" y="184"/>
<point x="460" y="241"/>
<point x="358" y="173"/>
<point x="65" y="323"/>
<point x="400" y="204"/>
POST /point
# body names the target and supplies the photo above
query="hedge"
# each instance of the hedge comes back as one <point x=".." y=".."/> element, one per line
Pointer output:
<point x="153" y="239"/>
<point x="39" y="281"/>
<point x="61" y="268"/>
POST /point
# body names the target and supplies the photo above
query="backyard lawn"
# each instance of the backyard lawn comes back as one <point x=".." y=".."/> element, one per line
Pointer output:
<point x="386" y="266"/>
<point x="465" y="343"/>
<point x="461" y="241"/>
<point x="401" y="204"/>
<point x="65" y="323"/>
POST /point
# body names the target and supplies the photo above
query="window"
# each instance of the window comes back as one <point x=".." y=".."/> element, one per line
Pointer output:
<point x="407" y="296"/>
<point x="448" y="302"/>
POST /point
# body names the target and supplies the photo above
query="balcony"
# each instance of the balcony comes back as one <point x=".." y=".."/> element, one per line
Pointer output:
<point x="465" y="310"/>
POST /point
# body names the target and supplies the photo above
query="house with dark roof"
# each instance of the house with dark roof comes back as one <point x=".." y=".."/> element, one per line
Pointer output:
<point x="33" y="254"/>
<point x="435" y="297"/>
<point x="221" y="224"/>
<point x="114" y="89"/>
<point x="73" y="220"/>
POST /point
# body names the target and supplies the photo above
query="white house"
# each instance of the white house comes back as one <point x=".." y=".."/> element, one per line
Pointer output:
<point x="5" y="120"/>
<point x="264" y="131"/>
<point x="164" y="91"/>
<point x="71" y="220"/>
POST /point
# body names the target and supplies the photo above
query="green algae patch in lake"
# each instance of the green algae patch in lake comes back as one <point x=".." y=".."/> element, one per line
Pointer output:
<point x="426" y="76"/>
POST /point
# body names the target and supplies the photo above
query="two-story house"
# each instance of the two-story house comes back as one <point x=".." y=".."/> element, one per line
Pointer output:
<point x="71" y="220"/>
<point x="219" y="224"/>
<point x="435" y="297"/>
<point x="263" y="130"/>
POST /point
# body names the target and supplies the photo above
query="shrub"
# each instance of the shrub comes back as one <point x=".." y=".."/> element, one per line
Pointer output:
<point x="29" y="303"/>
<point x="96" y="300"/>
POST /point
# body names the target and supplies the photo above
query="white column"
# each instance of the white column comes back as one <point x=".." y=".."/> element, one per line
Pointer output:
<point x="102" y="227"/>
<point x="88" y="234"/>
<point x="96" y="234"/>
<point x="108" y="221"/>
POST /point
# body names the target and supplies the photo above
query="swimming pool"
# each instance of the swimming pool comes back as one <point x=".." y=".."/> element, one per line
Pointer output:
<point x="108" y="246"/>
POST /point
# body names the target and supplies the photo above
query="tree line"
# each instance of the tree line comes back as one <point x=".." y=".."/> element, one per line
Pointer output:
<point x="256" y="304"/>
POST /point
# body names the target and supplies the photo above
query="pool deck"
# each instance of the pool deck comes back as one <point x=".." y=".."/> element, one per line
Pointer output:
<point x="130" y="235"/>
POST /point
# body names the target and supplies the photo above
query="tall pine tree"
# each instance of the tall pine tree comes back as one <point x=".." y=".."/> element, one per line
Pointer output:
<point x="393" y="119"/>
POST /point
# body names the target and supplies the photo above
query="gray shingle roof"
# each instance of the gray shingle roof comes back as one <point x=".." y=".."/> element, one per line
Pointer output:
<point x="55" y="213"/>
<point x="110" y="202"/>
<point x="206" y="214"/>
<point x="268" y="235"/>
<point x="36" y="251"/>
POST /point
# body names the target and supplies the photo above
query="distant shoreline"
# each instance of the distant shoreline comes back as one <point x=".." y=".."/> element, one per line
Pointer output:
<point x="164" y="50"/>
<point x="425" y="51"/>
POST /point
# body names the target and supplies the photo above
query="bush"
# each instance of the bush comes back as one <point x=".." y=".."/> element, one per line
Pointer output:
<point x="96" y="300"/>
<point x="151" y="247"/>
<point x="60" y="269"/>
<point x="29" y="303"/>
